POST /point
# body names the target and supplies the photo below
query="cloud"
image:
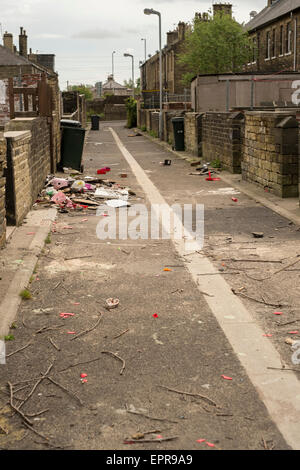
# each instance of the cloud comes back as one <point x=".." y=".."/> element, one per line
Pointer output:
<point x="96" y="34"/>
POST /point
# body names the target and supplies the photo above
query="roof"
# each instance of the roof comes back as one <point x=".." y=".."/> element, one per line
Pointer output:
<point x="112" y="85"/>
<point x="7" y="58"/>
<point x="271" y="13"/>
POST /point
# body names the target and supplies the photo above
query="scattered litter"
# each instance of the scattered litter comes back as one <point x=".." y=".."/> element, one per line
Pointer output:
<point x="226" y="378"/>
<point x="167" y="162"/>
<point x="201" y="440"/>
<point x="78" y="186"/>
<point x="112" y="303"/>
<point x="258" y="234"/>
<point x="83" y="376"/>
<point x="210" y="178"/>
<point x="116" y="203"/>
<point x="168" y="270"/>
<point x="278" y="313"/>
<point x="210" y="444"/>
<point x="59" y="183"/>
<point x="268" y="336"/>
<point x="123" y="175"/>
<point x="293" y="332"/>
<point x="234" y="199"/>
<point x="71" y="332"/>
<point x="155" y="315"/>
<point x="67" y="315"/>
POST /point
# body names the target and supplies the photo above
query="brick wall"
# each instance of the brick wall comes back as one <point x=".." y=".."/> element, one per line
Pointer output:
<point x="193" y="133"/>
<point x="29" y="162"/>
<point x="221" y="139"/>
<point x="270" y="152"/>
<point x="2" y="190"/>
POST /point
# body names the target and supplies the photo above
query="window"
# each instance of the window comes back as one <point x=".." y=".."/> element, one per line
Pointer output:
<point x="268" y="45"/>
<point x="281" y="41"/>
<point x="288" y="39"/>
<point x="274" y="43"/>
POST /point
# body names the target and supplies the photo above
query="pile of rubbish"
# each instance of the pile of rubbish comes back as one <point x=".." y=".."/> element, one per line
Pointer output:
<point x="76" y="193"/>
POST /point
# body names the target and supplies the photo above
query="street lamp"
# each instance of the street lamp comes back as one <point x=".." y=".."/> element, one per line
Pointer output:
<point x="145" y="41"/>
<point x="132" y="58"/>
<point x="150" y="11"/>
<point x="113" y="65"/>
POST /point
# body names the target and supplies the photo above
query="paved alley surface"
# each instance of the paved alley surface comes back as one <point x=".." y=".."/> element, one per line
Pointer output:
<point x="165" y="379"/>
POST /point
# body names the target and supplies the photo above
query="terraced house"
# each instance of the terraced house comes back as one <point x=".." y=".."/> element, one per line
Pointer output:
<point x="275" y="32"/>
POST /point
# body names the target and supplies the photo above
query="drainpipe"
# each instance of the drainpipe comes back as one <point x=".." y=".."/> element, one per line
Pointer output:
<point x="295" y="45"/>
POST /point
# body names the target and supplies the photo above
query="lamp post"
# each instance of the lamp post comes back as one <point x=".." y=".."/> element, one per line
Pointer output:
<point x="150" y="11"/>
<point x="145" y="43"/>
<point x="132" y="58"/>
<point x="113" y="65"/>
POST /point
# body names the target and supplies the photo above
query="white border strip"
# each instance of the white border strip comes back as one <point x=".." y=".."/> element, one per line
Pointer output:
<point x="280" y="391"/>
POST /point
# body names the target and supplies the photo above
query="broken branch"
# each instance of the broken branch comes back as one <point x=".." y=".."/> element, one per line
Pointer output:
<point x="116" y="357"/>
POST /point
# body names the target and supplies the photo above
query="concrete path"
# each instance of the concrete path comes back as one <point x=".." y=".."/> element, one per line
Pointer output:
<point x="186" y="347"/>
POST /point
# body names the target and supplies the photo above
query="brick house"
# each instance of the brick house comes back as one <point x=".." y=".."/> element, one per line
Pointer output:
<point x="275" y="33"/>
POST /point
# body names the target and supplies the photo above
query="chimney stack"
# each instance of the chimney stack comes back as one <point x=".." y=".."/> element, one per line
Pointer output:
<point x="8" y="41"/>
<point x="222" y="8"/>
<point x="23" y="43"/>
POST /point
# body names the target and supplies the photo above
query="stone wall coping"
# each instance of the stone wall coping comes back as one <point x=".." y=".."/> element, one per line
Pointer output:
<point x="17" y="135"/>
<point x="271" y="113"/>
<point x="25" y="118"/>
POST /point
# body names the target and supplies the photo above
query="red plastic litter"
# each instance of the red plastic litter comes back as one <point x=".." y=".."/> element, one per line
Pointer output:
<point x="67" y="315"/>
<point x="84" y="381"/>
<point x="227" y="378"/>
<point x="71" y="333"/>
<point x="234" y="199"/>
<point x="83" y="376"/>
<point x="278" y="313"/>
<point x="201" y="440"/>
<point x="155" y="315"/>
<point x="212" y="179"/>
<point x="76" y="303"/>
<point x="159" y="437"/>
<point x="103" y="171"/>
<point x="293" y="332"/>
<point x="210" y="444"/>
<point x="84" y="220"/>
<point x="268" y="336"/>
<point x="31" y="233"/>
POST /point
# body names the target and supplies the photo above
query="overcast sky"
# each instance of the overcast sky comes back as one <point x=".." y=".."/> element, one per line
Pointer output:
<point x="83" y="34"/>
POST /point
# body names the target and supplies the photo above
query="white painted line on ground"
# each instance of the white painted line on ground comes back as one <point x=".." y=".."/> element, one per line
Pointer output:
<point x="279" y="391"/>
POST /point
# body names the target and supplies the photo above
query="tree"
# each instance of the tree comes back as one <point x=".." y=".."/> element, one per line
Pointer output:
<point x="218" y="44"/>
<point x="137" y="88"/>
<point x="83" y="90"/>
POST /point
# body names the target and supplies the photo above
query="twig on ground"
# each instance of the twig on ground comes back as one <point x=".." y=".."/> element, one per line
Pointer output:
<point x="153" y="418"/>
<point x="256" y="300"/>
<point x="37" y="414"/>
<point x="15" y="408"/>
<point x="36" y="432"/>
<point x="150" y="441"/>
<point x="288" y="323"/>
<point x="203" y="397"/>
<point x="117" y="357"/>
<point x="53" y="344"/>
<point x="48" y="328"/>
<point x="121" y="334"/>
<point x="66" y="390"/>
<point x="18" y="350"/>
<point x="78" y="257"/>
<point x="4" y="431"/>
<point x="44" y="376"/>
<point x="276" y="272"/>
<point x="284" y="369"/>
<point x="89" y="329"/>
<point x="80" y="364"/>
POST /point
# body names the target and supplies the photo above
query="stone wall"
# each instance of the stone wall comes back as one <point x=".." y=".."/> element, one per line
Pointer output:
<point x="221" y="139"/>
<point x="193" y="133"/>
<point x="29" y="162"/>
<point x="115" y="112"/>
<point x="18" y="181"/>
<point x="2" y="190"/>
<point x="270" y="152"/>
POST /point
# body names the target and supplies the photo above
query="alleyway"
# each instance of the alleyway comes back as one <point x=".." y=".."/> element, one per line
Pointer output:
<point x="193" y="342"/>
